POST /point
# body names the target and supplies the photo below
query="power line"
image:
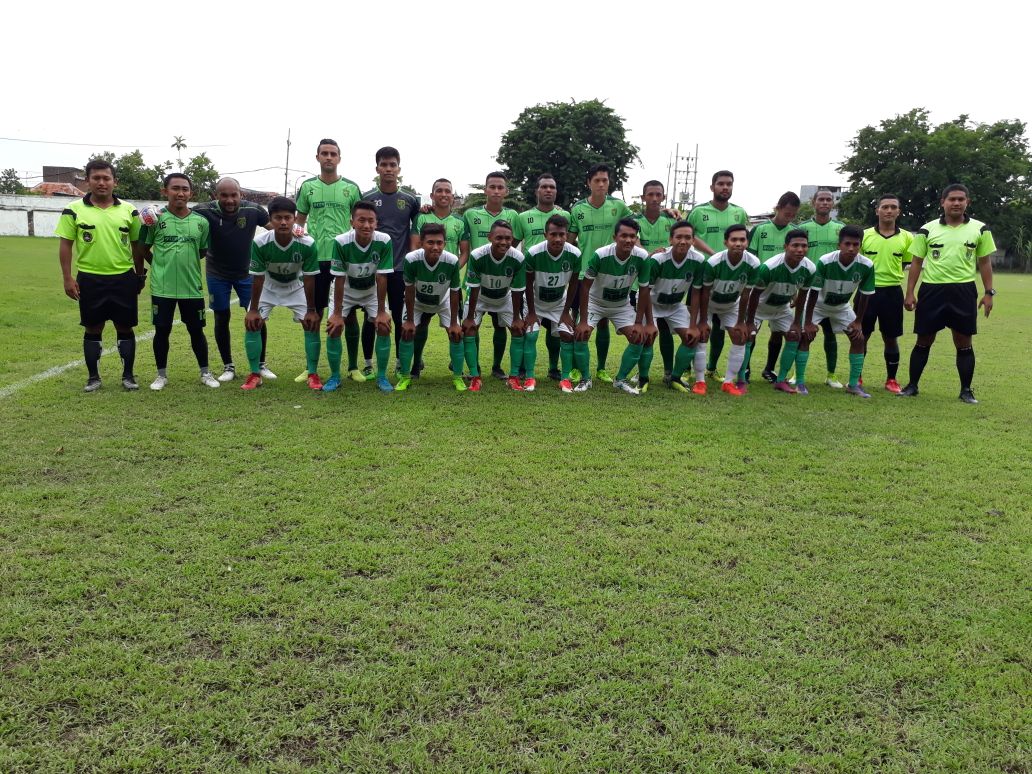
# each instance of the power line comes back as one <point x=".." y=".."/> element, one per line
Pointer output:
<point x="103" y="144"/>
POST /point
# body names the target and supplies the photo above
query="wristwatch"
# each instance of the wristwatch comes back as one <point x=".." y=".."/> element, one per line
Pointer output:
<point x="991" y="292"/>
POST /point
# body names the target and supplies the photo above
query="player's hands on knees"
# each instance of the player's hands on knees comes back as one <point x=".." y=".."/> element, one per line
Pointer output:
<point x="408" y="330"/>
<point x="334" y="325"/>
<point x="71" y="288"/>
<point x="810" y="331"/>
<point x="636" y="334"/>
<point x="567" y="319"/>
<point x="691" y="336"/>
<point x="454" y="333"/>
<point x="738" y="333"/>
<point x="469" y="327"/>
<point x="383" y="323"/>
<point x="910" y="302"/>
<point x="518" y="327"/>
<point x="987" y="303"/>
<point x="310" y="321"/>
<point x="704" y="332"/>
<point x="583" y="332"/>
<point x="530" y="321"/>
<point x="252" y="321"/>
<point x="794" y="333"/>
<point x="649" y="333"/>
<point x="853" y="331"/>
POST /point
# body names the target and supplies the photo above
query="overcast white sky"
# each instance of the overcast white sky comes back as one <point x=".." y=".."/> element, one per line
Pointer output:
<point x="773" y="91"/>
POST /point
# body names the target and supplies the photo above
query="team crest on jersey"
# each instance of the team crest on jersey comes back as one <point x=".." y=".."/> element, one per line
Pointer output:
<point x="442" y="278"/>
<point x="125" y="239"/>
<point x="402" y="204"/>
<point x="566" y="265"/>
<point x="241" y="222"/>
<point x="508" y="271"/>
<point x="856" y="277"/>
<point x="612" y="211"/>
<point x="935" y="255"/>
<point x="87" y="236"/>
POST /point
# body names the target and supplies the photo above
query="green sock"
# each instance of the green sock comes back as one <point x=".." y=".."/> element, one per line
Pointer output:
<point x="455" y="353"/>
<point x="582" y="358"/>
<point x="745" y="362"/>
<point x="682" y="361"/>
<point x="530" y="353"/>
<point x="554" y="347"/>
<point x="352" y="333"/>
<point x="831" y="352"/>
<point x="407" y="349"/>
<point x="469" y="349"/>
<point x="645" y="363"/>
<point x="333" y="353"/>
<point x="383" y="355"/>
<point x="499" y="347"/>
<point x="666" y="348"/>
<point x="788" y="357"/>
<point x="602" y="345"/>
<point x="856" y="367"/>
<point x="515" y="355"/>
<point x="419" y="344"/>
<point x="566" y="356"/>
<point x="312" y="347"/>
<point x="716" y="346"/>
<point x="801" y="359"/>
<point x="630" y="359"/>
<point x="253" y="346"/>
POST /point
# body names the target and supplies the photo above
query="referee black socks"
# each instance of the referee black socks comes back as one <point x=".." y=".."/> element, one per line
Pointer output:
<point x="918" y="361"/>
<point x="127" y="351"/>
<point x="891" y="363"/>
<point x="966" y="367"/>
<point x="91" y="347"/>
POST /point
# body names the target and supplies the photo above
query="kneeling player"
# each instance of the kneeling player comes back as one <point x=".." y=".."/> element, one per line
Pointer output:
<point x="432" y="287"/>
<point x="496" y="277"/>
<point x="278" y="261"/>
<point x="553" y="271"/>
<point x="838" y="275"/>
<point x="605" y="295"/>
<point x="780" y="281"/>
<point x="362" y="260"/>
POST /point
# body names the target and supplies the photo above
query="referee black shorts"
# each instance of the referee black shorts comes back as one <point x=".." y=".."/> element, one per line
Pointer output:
<point x="323" y="283"/>
<point x="885" y="307"/>
<point x="951" y="305"/>
<point x="104" y="297"/>
<point x="191" y="311"/>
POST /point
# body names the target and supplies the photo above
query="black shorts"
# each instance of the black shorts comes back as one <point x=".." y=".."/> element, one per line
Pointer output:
<point x="953" y="305"/>
<point x="191" y="311"/>
<point x="323" y="283"/>
<point x="104" y="297"/>
<point x="885" y="307"/>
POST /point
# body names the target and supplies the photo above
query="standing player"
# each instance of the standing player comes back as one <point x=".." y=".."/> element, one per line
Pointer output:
<point x="726" y="276"/>
<point x="108" y="276"/>
<point x="278" y="261"/>
<point x="396" y="211"/>
<point x="838" y="276"/>
<point x="174" y="245"/>
<point x="948" y="252"/>
<point x="605" y="295"/>
<point x="553" y="274"/>
<point x="432" y="288"/>
<point x="324" y="204"/>
<point x="456" y="241"/>
<point x="781" y="282"/>
<point x="592" y="222"/>
<point x="496" y="277"/>
<point x="887" y="246"/>
<point x="232" y="222"/>
<point x="363" y="258"/>
<point x="654" y="237"/>
<point x="479" y="222"/>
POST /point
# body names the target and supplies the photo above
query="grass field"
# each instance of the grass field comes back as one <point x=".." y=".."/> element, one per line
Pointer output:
<point x="210" y="580"/>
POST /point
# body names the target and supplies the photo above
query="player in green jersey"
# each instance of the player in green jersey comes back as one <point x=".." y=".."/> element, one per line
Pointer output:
<point x="324" y="205"/>
<point x="710" y="220"/>
<point x="840" y="275"/>
<point x="99" y="230"/>
<point x="279" y="259"/>
<point x="654" y="237"/>
<point x="362" y="259"/>
<point x="727" y="275"/>
<point x="479" y="222"/>
<point x="496" y="277"/>
<point x="432" y="288"/>
<point x="605" y="295"/>
<point x="592" y="223"/>
<point x="781" y="284"/>
<point x="947" y="253"/>
<point x="888" y="248"/>
<point x="672" y="274"/>
<point x="553" y="275"/>
<point x="456" y="241"/>
<point x="174" y="246"/>
<point x="822" y="231"/>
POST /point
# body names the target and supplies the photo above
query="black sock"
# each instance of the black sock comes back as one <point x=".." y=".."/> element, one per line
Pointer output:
<point x="966" y="367"/>
<point x="199" y="345"/>
<point x="918" y="361"/>
<point x="265" y="339"/>
<point x="773" y="350"/>
<point x="368" y="339"/>
<point x="499" y="346"/>
<point x="222" y="336"/>
<point x="91" y="347"/>
<point x="127" y="351"/>
<point x="161" y="336"/>
<point x="891" y="363"/>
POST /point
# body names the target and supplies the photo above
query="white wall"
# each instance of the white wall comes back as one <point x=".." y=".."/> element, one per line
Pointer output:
<point x="14" y="214"/>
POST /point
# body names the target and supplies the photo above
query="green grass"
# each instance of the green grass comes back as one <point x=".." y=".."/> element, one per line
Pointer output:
<point x="209" y="580"/>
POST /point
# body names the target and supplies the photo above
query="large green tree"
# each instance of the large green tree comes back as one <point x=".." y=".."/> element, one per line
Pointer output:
<point x="565" y="138"/>
<point x="203" y="175"/>
<point x="909" y="156"/>
<point x="10" y="183"/>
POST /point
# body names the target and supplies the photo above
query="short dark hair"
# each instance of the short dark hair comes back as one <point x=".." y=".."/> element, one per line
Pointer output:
<point x="722" y="173"/>
<point x="173" y="175"/>
<point x="545" y="176"/>
<point x="95" y="164"/>
<point x="363" y="206"/>
<point x="501" y="224"/>
<point x="558" y="221"/>
<point x="497" y="173"/>
<point x="431" y="228"/>
<point x="682" y="224"/>
<point x="819" y="191"/>
<point x="388" y="152"/>
<point x="439" y="180"/>
<point x="594" y="169"/>
<point x="650" y="184"/>
<point x="851" y="231"/>
<point x="327" y="141"/>
<point x="733" y="228"/>
<point x="788" y="199"/>
<point x="282" y="204"/>
<point x="885" y="196"/>
<point x="955" y="187"/>
<point x="626" y="223"/>
<point x="796" y="233"/>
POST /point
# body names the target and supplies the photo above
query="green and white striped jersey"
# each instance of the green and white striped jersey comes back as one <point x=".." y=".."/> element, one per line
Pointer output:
<point x="779" y="282"/>
<point x="672" y="281"/>
<point x="552" y="274"/>
<point x="836" y="283"/>
<point x="726" y="282"/>
<point x="433" y="283"/>
<point x="495" y="278"/>
<point x="361" y="264"/>
<point x="612" y="278"/>
<point x="283" y="265"/>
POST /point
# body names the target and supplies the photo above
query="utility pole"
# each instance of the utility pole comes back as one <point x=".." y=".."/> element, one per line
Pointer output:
<point x="286" y="166"/>
<point x="681" y="190"/>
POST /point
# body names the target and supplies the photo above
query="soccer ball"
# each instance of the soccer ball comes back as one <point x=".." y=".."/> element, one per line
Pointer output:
<point x="149" y="215"/>
<point x="298" y="230"/>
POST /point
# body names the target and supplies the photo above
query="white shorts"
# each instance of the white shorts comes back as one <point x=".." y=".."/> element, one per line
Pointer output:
<point x="443" y="313"/>
<point x="275" y="294"/>
<point x="504" y="315"/>
<point x="728" y="315"/>
<point x="366" y="302"/>
<point x="620" y="317"/>
<point x="780" y="318"/>
<point x="840" y="316"/>
<point x="676" y="316"/>
<point x="552" y="315"/>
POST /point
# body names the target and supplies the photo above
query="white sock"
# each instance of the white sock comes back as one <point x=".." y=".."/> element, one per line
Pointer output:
<point x="699" y="364"/>
<point x="735" y="358"/>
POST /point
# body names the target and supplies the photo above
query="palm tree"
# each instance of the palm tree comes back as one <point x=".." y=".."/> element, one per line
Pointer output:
<point x="179" y="143"/>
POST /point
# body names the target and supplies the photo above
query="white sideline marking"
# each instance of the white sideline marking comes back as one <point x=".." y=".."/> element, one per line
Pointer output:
<point x="42" y="376"/>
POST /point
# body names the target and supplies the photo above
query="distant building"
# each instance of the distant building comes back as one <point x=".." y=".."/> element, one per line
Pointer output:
<point x="258" y="197"/>
<point x="57" y="189"/>
<point x="72" y="176"/>
<point x="807" y="192"/>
